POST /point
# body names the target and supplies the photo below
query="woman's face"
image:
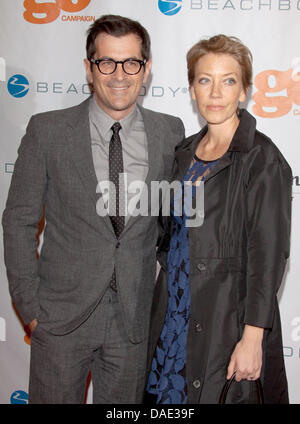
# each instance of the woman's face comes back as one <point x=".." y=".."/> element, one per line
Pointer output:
<point x="217" y="87"/>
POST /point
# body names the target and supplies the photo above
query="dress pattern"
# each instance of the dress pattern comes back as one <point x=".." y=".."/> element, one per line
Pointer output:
<point x="167" y="378"/>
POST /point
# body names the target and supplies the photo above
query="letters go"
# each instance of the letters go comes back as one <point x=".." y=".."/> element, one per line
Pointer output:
<point x="271" y="96"/>
<point x="51" y="10"/>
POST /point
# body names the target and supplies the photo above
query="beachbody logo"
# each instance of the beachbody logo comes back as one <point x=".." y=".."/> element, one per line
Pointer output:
<point x="245" y="5"/>
<point x="18" y="86"/>
<point x="19" y="397"/>
<point x="169" y="8"/>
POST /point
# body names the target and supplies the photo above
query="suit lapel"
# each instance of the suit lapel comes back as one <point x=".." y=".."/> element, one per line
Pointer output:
<point x="154" y="133"/>
<point x="81" y="153"/>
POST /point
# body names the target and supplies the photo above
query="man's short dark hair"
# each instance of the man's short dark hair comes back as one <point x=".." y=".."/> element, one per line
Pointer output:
<point x="117" y="26"/>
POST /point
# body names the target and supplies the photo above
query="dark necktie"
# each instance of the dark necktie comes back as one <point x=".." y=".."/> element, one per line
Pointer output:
<point x="116" y="168"/>
<point x="117" y="202"/>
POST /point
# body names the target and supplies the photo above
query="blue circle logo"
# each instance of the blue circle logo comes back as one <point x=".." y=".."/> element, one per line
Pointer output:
<point x="19" y="397"/>
<point x="169" y="7"/>
<point x="18" y="86"/>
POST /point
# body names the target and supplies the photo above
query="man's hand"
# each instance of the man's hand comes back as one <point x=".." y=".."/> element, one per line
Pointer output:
<point x="246" y="358"/>
<point x="33" y="325"/>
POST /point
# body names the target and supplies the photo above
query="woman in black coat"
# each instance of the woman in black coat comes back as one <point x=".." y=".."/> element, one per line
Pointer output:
<point x="215" y="309"/>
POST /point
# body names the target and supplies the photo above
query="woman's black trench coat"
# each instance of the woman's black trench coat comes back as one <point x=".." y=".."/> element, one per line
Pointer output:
<point x="237" y="262"/>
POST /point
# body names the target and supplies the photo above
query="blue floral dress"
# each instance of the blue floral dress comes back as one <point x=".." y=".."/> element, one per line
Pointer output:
<point x="167" y="377"/>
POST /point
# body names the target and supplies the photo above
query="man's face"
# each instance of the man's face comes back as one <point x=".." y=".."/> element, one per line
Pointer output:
<point x="116" y="94"/>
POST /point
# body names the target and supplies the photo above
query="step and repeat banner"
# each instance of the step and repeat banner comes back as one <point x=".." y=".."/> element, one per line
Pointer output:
<point x="42" y="47"/>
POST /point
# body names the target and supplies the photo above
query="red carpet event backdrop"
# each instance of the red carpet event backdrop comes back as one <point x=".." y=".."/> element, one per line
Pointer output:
<point x="41" y="68"/>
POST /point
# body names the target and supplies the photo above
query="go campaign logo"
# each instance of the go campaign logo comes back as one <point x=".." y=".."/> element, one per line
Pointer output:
<point x="169" y="7"/>
<point x="277" y="92"/>
<point x="37" y="12"/>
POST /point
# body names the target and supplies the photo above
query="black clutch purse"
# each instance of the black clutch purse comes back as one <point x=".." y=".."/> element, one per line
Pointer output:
<point x="260" y="395"/>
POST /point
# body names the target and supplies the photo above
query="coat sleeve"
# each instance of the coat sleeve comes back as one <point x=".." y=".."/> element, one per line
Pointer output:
<point x="268" y="217"/>
<point x="24" y="210"/>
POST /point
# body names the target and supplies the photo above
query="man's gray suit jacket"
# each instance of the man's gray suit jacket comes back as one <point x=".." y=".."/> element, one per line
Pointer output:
<point x="80" y="250"/>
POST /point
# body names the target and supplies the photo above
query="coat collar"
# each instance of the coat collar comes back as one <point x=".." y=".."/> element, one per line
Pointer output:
<point x="242" y="141"/>
<point x="243" y="138"/>
<point x="79" y="122"/>
<point x="80" y="148"/>
<point x="154" y="132"/>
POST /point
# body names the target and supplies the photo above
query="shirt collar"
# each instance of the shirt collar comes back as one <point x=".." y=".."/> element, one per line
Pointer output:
<point x="242" y="140"/>
<point x="104" y="122"/>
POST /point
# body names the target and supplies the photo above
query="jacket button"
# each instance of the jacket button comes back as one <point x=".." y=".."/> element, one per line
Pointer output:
<point x="117" y="245"/>
<point x="198" y="327"/>
<point x="196" y="384"/>
<point x="201" y="267"/>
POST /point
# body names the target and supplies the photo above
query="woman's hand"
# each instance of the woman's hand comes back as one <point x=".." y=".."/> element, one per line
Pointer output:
<point x="246" y="359"/>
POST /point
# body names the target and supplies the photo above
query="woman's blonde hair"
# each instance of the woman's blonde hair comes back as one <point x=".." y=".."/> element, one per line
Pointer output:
<point x="221" y="44"/>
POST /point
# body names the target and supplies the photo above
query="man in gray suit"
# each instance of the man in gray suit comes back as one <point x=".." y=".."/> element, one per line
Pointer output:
<point x="87" y="298"/>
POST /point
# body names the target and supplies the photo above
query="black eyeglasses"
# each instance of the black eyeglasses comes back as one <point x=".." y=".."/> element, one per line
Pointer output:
<point x="129" y="66"/>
